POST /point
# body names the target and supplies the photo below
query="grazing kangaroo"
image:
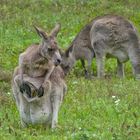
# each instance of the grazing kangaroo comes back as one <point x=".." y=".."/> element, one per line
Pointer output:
<point x="40" y="110"/>
<point x="39" y="60"/>
<point x="80" y="49"/>
<point x="115" y="36"/>
<point x="104" y="36"/>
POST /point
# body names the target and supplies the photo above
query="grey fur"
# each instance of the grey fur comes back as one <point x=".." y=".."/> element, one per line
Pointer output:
<point x="39" y="60"/>
<point x="105" y="36"/>
<point x="80" y="49"/>
<point x="116" y="37"/>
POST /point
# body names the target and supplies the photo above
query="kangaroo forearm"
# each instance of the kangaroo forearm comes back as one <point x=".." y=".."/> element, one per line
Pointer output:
<point x="49" y="73"/>
<point x="21" y="75"/>
<point x="36" y="98"/>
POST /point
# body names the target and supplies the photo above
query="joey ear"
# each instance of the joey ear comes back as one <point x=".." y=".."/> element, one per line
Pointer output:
<point x="41" y="33"/>
<point x="55" y="30"/>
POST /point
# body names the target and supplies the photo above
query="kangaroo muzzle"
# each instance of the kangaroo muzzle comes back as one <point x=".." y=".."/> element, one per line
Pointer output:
<point x="57" y="58"/>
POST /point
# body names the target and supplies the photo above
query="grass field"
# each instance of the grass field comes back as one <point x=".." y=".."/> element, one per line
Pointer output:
<point x="107" y="109"/>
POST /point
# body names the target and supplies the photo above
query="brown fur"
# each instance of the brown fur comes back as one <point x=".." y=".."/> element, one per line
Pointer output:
<point x="39" y="60"/>
<point x="38" y="67"/>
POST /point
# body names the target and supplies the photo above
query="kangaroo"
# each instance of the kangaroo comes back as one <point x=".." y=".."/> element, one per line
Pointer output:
<point x="38" y="67"/>
<point x="80" y="49"/>
<point x="114" y="36"/>
<point x="40" y="60"/>
<point x="40" y="110"/>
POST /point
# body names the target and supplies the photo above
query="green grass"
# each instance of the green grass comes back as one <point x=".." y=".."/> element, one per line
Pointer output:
<point x="93" y="109"/>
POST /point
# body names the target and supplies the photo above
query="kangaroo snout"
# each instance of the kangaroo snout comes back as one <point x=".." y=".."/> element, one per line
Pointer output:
<point x="57" y="58"/>
<point x="58" y="61"/>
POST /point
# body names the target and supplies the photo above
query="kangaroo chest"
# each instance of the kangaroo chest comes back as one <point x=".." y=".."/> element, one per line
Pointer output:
<point x="37" y="68"/>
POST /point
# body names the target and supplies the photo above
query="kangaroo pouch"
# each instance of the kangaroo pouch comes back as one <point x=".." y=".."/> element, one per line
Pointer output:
<point x="33" y="110"/>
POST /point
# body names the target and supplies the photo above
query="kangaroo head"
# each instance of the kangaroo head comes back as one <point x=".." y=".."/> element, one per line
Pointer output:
<point x="49" y="47"/>
<point x="67" y="61"/>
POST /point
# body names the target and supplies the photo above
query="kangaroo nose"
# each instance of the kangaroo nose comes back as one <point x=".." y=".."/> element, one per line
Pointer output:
<point x="58" y="61"/>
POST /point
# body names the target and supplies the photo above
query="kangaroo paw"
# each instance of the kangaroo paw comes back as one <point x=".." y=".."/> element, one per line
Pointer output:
<point x="40" y="91"/>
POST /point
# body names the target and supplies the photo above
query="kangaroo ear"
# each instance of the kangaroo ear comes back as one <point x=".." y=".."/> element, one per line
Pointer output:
<point x="69" y="50"/>
<point x="61" y="52"/>
<point x="70" y="55"/>
<point x="55" y="30"/>
<point x="41" y="33"/>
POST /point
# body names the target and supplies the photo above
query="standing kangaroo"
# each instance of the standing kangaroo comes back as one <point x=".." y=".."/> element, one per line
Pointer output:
<point x="114" y="36"/>
<point x="40" y="60"/>
<point x="80" y="49"/>
<point x="40" y="110"/>
<point x="38" y="67"/>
